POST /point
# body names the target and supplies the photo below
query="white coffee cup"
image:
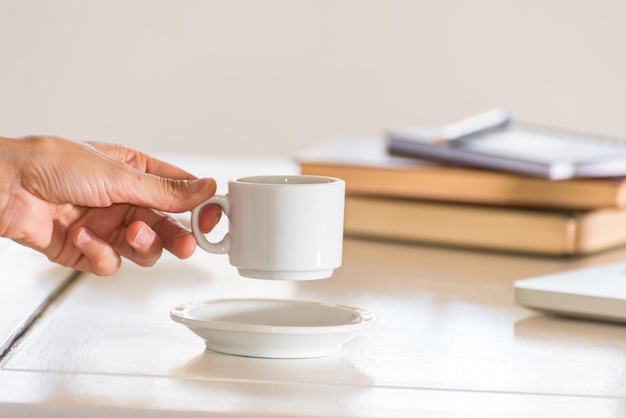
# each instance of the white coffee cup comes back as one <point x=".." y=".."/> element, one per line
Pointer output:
<point x="280" y="227"/>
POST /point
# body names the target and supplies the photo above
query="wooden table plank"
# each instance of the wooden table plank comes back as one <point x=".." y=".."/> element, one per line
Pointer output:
<point x="51" y="395"/>
<point x="29" y="282"/>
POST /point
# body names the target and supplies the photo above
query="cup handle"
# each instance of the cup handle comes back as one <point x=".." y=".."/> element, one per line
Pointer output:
<point x="220" y="247"/>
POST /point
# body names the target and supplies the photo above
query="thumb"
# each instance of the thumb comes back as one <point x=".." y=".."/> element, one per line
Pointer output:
<point x="165" y="194"/>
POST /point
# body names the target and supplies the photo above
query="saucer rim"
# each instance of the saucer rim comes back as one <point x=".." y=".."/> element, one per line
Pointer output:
<point x="181" y="314"/>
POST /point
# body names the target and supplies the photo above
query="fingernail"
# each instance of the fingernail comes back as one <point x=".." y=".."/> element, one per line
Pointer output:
<point x="199" y="185"/>
<point x="83" y="237"/>
<point x="144" y="236"/>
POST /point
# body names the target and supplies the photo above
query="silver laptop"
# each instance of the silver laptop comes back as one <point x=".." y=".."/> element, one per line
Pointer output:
<point x="594" y="292"/>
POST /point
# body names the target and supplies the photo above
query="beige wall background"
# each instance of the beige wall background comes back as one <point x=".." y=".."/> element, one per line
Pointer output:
<point x="271" y="77"/>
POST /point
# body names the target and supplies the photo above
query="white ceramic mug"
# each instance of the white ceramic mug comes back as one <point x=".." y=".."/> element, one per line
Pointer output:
<point x="280" y="227"/>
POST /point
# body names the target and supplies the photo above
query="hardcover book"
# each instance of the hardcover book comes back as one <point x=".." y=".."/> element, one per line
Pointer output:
<point x="368" y="169"/>
<point x="545" y="232"/>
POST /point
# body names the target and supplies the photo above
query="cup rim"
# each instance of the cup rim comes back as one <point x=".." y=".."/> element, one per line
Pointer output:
<point x="287" y="179"/>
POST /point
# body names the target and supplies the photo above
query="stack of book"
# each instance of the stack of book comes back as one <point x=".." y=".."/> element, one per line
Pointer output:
<point x="459" y="204"/>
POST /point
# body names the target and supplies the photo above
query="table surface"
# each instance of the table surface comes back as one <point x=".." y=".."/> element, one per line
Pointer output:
<point x="29" y="284"/>
<point x="449" y="339"/>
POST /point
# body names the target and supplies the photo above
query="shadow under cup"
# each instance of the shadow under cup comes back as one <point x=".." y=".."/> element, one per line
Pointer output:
<point x="280" y="227"/>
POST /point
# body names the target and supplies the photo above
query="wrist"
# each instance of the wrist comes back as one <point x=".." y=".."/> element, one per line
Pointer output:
<point x="10" y="161"/>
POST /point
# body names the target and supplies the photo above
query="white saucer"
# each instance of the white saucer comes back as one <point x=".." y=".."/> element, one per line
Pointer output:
<point x="273" y="328"/>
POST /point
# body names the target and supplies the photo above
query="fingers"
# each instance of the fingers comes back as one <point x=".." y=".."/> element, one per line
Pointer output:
<point x="174" y="237"/>
<point x="210" y="215"/>
<point x="104" y="258"/>
<point x="98" y="256"/>
<point x="145" y="243"/>
<point x="183" y="245"/>
<point x="149" y="182"/>
<point x="140" y="239"/>
<point x="164" y="194"/>
<point x="180" y="241"/>
<point x="150" y="231"/>
<point x="142" y="162"/>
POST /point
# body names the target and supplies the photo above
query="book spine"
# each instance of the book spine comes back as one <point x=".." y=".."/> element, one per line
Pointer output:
<point x="461" y="226"/>
<point x="453" y="185"/>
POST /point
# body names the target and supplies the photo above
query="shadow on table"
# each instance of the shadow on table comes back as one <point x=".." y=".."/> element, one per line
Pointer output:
<point x="333" y="369"/>
<point x="548" y="328"/>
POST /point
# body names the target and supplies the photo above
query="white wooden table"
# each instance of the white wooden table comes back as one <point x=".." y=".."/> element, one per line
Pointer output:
<point x="449" y="341"/>
<point x="29" y="282"/>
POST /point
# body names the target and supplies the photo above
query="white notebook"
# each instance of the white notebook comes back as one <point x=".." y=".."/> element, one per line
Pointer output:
<point x="492" y="141"/>
<point x="593" y="292"/>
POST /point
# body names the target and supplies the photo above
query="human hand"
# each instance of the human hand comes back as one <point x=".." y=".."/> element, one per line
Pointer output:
<point x="87" y="205"/>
